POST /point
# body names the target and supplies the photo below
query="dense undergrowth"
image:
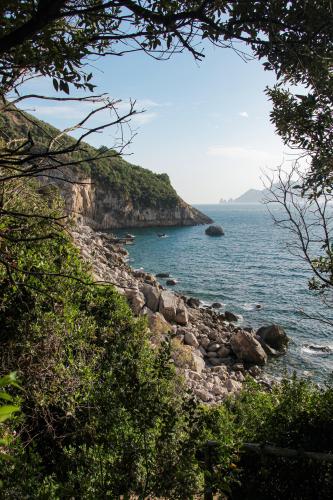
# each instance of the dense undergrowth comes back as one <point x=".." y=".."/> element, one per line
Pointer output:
<point x="102" y="413"/>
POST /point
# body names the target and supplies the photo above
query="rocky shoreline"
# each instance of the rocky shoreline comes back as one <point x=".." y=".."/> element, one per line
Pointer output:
<point x="208" y="347"/>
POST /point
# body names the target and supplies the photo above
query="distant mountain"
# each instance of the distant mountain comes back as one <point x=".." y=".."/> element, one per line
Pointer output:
<point x="252" y="196"/>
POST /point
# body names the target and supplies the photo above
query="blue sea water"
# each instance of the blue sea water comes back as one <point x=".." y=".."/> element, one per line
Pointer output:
<point x="250" y="265"/>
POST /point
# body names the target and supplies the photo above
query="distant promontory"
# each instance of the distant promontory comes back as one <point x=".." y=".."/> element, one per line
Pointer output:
<point x="250" y="196"/>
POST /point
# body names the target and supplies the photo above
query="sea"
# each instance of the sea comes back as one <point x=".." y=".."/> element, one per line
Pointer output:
<point x="252" y="273"/>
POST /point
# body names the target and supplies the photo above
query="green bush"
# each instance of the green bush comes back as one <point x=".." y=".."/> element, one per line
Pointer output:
<point x="103" y="413"/>
<point x="295" y="415"/>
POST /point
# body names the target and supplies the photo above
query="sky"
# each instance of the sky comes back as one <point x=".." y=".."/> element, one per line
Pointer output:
<point x="205" y="124"/>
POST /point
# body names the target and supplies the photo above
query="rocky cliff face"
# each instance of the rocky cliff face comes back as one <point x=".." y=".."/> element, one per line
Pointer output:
<point x="102" y="208"/>
<point x="105" y="191"/>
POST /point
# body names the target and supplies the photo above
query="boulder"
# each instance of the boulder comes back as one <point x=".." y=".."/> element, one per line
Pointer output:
<point x="131" y="292"/>
<point x="168" y="305"/>
<point x="171" y="282"/>
<point x="238" y="367"/>
<point x="173" y="308"/>
<point x="229" y="316"/>
<point x="247" y="348"/>
<point x="157" y="323"/>
<point x="216" y="305"/>
<point x="162" y="275"/>
<point x="270" y="351"/>
<point x="198" y="363"/>
<point x="216" y="361"/>
<point x="137" y="302"/>
<point x="214" y="230"/>
<point x="193" y="302"/>
<point x="185" y="356"/>
<point x="223" y="352"/>
<point x="274" y="336"/>
<point x="233" y="385"/>
<point x="204" y="341"/>
<point x="202" y="394"/>
<point x="139" y="273"/>
<point x="181" y="313"/>
<point x="212" y="354"/>
<point x="192" y="375"/>
<point x="190" y="339"/>
<point x="152" y="296"/>
<point x="213" y="347"/>
<point x="149" y="278"/>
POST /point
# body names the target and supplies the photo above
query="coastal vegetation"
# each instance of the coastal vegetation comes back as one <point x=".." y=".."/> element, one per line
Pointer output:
<point x="143" y="187"/>
<point x="97" y="410"/>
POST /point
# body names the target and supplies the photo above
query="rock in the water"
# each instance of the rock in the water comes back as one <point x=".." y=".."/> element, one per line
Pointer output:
<point x="171" y="282"/>
<point x="247" y="348"/>
<point x="190" y="339"/>
<point x="215" y="230"/>
<point x="163" y="275"/>
<point x="229" y="316"/>
<point x="216" y="305"/>
<point x="274" y="336"/>
<point x="152" y="296"/>
<point x="270" y="351"/>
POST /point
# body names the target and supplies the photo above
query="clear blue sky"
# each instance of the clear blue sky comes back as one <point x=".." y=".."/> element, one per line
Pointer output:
<point x="206" y="124"/>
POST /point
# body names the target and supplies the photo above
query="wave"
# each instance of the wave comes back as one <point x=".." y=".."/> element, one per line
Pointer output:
<point x="317" y="349"/>
<point x="251" y="306"/>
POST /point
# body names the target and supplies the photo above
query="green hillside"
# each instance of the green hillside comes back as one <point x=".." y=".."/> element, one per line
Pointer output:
<point x="142" y="186"/>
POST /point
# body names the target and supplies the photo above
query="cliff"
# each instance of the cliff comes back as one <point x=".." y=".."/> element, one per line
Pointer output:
<point x="103" y="206"/>
<point x="106" y="191"/>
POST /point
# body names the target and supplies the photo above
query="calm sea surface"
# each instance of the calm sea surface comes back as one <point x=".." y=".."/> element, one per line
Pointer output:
<point x="249" y="265"/>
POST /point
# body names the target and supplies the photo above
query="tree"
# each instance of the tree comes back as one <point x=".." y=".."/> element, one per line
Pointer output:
<point x="309" y="222"/>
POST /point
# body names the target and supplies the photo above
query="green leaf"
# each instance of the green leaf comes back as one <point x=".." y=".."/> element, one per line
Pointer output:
<point x="64" y="86"/>
<point x="9" y="379"/>
<point x="55" y="84"/>
<point x="5" y="396"/>
<point x="7" y="411"/>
